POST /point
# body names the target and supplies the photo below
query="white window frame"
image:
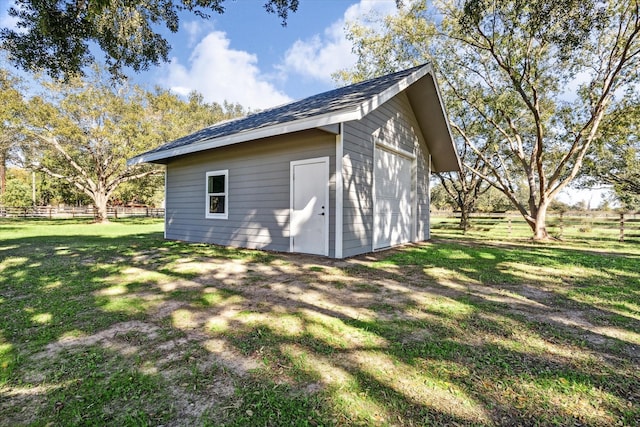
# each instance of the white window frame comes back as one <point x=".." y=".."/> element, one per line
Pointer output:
<point x="207" y="195"/>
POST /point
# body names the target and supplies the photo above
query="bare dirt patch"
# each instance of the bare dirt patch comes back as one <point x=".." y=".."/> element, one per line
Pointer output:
<point x="364" y="330"/>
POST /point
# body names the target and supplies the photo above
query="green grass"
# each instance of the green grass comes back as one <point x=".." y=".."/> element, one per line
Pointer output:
<point x="578" y="228"/>
<point x="113" y="325"/>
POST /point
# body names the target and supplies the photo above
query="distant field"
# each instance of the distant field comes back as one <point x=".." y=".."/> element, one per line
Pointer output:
<point x="600" y="226"/>
<point x="112" y="325"/>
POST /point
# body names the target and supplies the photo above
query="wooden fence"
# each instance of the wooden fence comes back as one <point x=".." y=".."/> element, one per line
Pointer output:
<point x="78" y="212"/>
<point x="621" y="226"/>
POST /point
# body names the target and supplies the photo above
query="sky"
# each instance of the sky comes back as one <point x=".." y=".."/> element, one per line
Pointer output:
<point x="246" y="56"/>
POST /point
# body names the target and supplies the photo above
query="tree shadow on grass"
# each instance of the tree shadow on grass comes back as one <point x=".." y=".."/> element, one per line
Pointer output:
<point x="565" y="287"/>
<point x="434" y="334"/>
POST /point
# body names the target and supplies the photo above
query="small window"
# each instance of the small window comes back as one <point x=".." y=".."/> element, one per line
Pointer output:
<point x="217" y="188"/>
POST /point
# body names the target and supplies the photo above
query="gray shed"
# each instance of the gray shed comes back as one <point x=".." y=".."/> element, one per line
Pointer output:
<point x="337" y="174"/>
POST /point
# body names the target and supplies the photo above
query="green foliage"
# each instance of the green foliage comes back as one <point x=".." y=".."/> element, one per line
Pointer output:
<point x="440" y="199"/>
<point x="558" y="206"/>
<point x="146" y="191"/>
<point x="54" y="191"/>
<point x="18" y="193"/>
<point x="10" y="115"/>
<point x="494" y="201"/>
<point x="57" y="36"/>
<point x="12" y="102"/>
<point x="615" y="158"/>
<point x="564" y="23"/>
<point x="84" y="130"/>
<point x="509" y="70"/>
<point x="401" y="41"/>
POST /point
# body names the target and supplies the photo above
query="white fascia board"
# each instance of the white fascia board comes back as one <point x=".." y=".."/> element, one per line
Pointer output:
<point x="274" y="130"/>
<point x="332" y="129"/>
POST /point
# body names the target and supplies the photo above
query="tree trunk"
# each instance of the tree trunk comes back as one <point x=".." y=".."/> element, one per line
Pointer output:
<point x="100" y="200"/>
<point x="3" y="171"/>
<point x="464" y="219"/>
<point x="540" y="225"/>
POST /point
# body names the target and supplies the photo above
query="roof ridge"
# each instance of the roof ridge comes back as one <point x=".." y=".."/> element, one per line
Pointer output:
<point x="365" y="82"/>
<point x="356" y="99"/>
<point x="408" y="71"/>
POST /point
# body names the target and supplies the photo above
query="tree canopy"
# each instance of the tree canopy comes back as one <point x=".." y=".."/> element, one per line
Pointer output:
<point x="615" y="159"/>
<point x="57" y="36"/>
<point x="541" y="76"/>
<point x="13" y="108"/>
<point x="83" y="131"/>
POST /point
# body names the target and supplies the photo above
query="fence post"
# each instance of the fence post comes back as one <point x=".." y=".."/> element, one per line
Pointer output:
<point x="621" y="227"/>
<point x="561" y="223"/>
<point x="115" y="211"/>
<point x="509" y="225"/>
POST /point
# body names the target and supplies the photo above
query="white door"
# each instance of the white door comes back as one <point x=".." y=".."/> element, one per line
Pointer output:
<point x="310" y="206"/>
<point x="392" y="211"/>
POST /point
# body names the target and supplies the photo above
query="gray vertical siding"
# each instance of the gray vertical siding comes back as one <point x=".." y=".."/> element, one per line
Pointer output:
<point x="357" y="172"/>
<point x="393" y="124"/>
<point x="259" y="191"/>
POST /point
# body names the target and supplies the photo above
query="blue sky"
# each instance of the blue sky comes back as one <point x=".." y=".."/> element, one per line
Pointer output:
<point x="245" y="55"/>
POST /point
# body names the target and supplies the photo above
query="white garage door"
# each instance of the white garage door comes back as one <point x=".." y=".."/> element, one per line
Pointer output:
<point x="392" y="210"/>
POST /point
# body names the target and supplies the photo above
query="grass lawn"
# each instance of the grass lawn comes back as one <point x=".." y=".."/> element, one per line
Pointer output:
<point x="112" y="325"/>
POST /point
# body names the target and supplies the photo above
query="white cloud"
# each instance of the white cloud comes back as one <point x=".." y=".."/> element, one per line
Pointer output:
<point x="221" y="73"/>
<point x="323" y="54"/>
<point x="195" y="29"/>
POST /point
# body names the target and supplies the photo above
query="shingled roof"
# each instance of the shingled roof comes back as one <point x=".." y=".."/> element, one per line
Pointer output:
<point x="319" y="111"/>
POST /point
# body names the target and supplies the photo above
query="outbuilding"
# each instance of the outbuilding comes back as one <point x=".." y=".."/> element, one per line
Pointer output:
<point x="337" y="174"/>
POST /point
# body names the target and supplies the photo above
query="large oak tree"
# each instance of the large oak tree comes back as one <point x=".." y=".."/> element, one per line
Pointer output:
<point x="84" y="130"/>
<point x="542" y="75"/>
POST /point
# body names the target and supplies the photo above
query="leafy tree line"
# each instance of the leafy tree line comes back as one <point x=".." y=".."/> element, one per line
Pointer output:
<point x="79" y="133"/>
<point x="534" y="90"/>
<point x="17" y="189"/>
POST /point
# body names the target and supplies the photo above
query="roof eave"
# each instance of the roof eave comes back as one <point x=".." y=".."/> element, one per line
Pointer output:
<point x="444" y="155"/>
<point x="254" y="134"/>
<point x="433" y="120"/>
